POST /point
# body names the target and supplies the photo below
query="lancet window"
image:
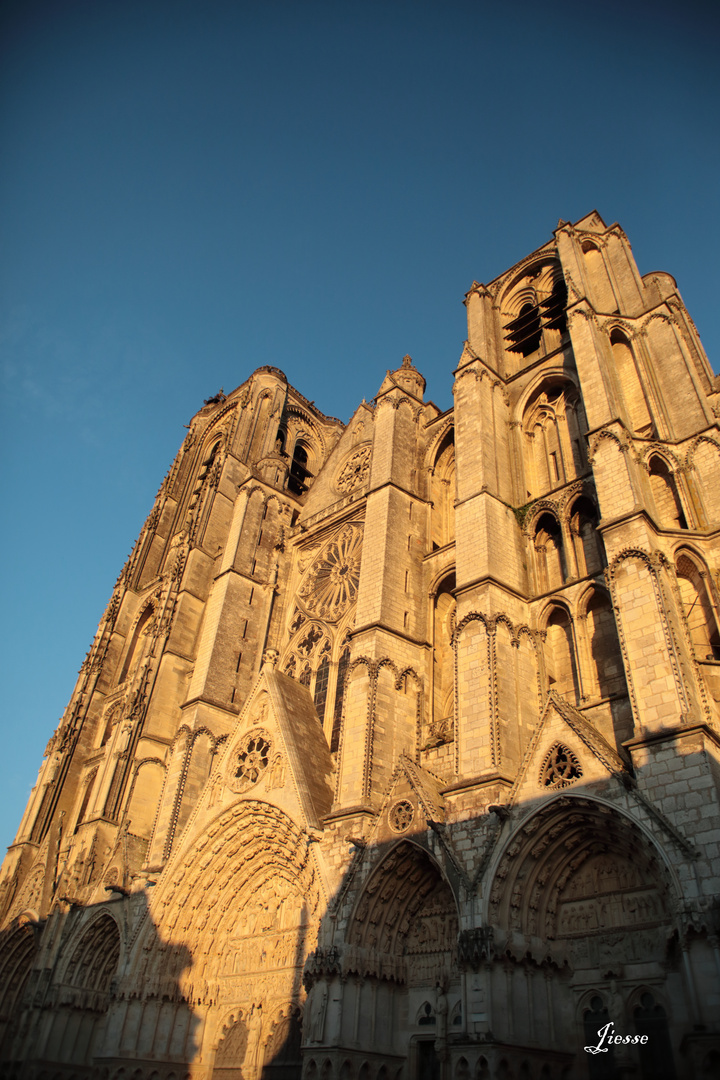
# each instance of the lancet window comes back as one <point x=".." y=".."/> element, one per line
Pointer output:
<point x="134" y="649"/>
<point x="586" y="539"/>
<point x="343" y="666"/>
<point x="442" y="492"/>
<point x="553" y="427"/>
<point x="549" y="554"/>
<point x="310" y="662"/>
<point x="700" y="613"/>
<point x="608" y="673"/>
<point x="631" y="386"/>
<point x="560" y="657"/>
<point x="443" y="663"/>
<point x="668" y="503"/>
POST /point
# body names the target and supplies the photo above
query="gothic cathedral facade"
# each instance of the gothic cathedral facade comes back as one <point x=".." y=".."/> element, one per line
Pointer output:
<point x="396" y="753"/>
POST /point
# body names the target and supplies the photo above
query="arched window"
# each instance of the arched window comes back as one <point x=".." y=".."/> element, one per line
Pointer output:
<point x="107" y="731"/>
<point x="339" y="694"/>
<point x="560" y="662"/>
<point x="632" y="389"/>
<point x="600" y="1066"/>
<point x="89" y="784"/>
<point x="656" y="1056"/>
<point x="554" y="309"/>
<point x="321" y="686"/>
<point x="442" y="492"/>
<point x="554" y="428"/>
<point x="586" y="539"/>
<point x="699" y="611"/>
<point x="297" y="480"/>
<point x="443" y="666"/>
<point x="206" y="466"/>
<point x="601" y="291"/>
<point x="135" y="647"/>
<point x="605" y="654"/>
<point x="305" y="676"/>
<point x="549" y="554"/>
<point x="523" y="334"/>
<point x="667" y="498"/>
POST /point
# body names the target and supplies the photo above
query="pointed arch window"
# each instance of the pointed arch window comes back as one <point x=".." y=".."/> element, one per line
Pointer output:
<point x="89" y="784"/>
<point x="560" y="659"/>
<point x="299" y="472"/>
<point x="554" y="427"/>
<point x="443" y="662"/>
<point x="699" y="609"/>
<point x="586" y="538"/>
<point x="630" y="385"/>
<point x="667" y="497"/>
<point x="135" y="646"/>
<point x="608" y="670"/>
<point x="339" y="695"/>
<point x="656" y="1056"/>
<point x="549" y="553"/>
<point x="523" y="334"/>
<point x="600" y="1066"/>
<point x="321" y="686"/>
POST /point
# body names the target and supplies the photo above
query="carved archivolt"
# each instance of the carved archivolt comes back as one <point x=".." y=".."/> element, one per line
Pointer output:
<point x="579" y="870"/>
<point x="235" y="917"/>
<point x="405" y="924"/>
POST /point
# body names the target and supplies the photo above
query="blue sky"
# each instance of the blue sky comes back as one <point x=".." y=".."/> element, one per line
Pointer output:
<point x="192" y="189"/>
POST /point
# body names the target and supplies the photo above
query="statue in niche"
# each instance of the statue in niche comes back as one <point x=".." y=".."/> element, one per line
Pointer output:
<point x="251" y="1062"/>
<point x="317" y="1007"/>
<point x="276" y="774"/>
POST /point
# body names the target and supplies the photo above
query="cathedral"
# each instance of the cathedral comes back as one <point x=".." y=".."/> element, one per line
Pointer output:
<point x="396" y="755"/>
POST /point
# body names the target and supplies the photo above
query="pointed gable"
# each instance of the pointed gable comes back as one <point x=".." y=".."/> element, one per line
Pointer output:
<point x="565" y="749"/>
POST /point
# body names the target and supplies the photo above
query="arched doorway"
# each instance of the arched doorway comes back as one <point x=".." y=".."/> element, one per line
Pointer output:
<point x="584" y="880"/>
<point x="403" y="941"/>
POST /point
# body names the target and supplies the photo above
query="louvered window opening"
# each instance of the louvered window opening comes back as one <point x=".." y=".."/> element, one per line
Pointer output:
<point x="524" y="333"/>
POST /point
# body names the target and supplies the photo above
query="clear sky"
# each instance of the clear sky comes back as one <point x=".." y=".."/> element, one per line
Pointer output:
<point x="193" y="188"/>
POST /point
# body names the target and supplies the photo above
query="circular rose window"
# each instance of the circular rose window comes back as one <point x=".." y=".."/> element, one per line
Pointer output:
<point x="250" y="761"/>
<point x="401" y="815"/>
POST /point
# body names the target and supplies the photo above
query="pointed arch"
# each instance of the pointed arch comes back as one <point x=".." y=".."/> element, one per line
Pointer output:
<point x="668" y="503"/>
<point x="631" y="387"/>
<point x="405" y="922"/>
<point x="608" y="673"/>
<point x="698" y="607"/>
<point x="560" y="654"/>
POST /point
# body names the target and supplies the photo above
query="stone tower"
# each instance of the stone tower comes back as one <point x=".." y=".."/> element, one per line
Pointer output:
<point x="396" y="751"/>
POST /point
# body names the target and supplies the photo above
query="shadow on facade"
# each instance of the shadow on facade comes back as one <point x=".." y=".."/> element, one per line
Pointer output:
<point x="66" y="990"/>
<point x="492" y="948"/>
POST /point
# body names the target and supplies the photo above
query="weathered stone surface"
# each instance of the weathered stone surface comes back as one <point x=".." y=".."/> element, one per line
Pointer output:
<point x="397" y="746"/>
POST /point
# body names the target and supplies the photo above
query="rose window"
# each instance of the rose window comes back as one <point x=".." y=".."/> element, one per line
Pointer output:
<point x="401" y="815"/>
<point x="251" y="761"/>
<point x="355" y="471"/>
<point x="331" y="583"/>
<point x="560" y="767"/>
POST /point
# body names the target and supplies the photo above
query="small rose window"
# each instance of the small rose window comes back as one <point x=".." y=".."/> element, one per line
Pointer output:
<point x="251" y="761"/>
<point x="401" y="815"/>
